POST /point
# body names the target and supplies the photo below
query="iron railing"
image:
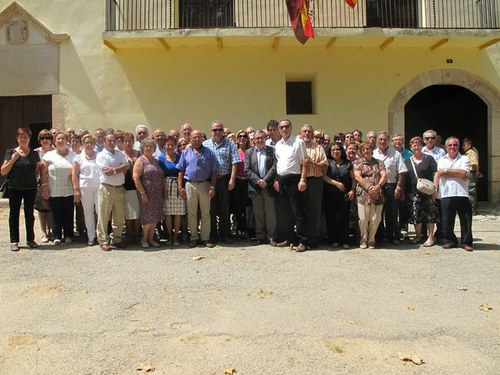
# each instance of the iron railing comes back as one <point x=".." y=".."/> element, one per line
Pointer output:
<point x="135" y="15"/>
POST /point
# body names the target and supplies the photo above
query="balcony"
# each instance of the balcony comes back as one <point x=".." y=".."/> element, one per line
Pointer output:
<point x="161" y="19"/>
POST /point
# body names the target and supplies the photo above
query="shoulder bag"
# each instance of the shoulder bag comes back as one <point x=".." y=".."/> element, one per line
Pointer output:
<point x="424" y="185"/>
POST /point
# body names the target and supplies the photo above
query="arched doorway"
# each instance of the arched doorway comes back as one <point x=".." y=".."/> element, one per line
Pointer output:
<point x="451" y="110"/>
<point x="473" y="83"/>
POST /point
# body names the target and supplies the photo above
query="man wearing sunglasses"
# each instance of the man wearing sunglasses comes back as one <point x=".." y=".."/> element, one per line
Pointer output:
<point x="451" y="183"/>
<point x="228" y="158"/>
<point x="430" y="147"/>
<point x="141" y="133"/>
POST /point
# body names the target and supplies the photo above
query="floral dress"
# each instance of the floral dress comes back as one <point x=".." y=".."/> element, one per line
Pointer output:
<point x="152" y="180"/>
<point x="371" y="172"/>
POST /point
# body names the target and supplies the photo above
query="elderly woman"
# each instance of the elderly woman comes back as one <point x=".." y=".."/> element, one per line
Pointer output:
<point x="21" y="168"/>
<point x="423" y="208"/>
<point x="371" y="177"/>
<point x="57" y="186"/>
<point x="43" y="205"/>
<point x="175" y="205"/>
<point x="150" y="183"/>
<point x="132" y="207"/>
<point x="85" y="179"/>
<point x="338" y="192"/>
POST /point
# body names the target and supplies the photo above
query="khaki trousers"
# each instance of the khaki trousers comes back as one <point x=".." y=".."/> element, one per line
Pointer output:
<point x="197" y="195"/>
<point x="111" y="201"/>
<point x="265" y="215"/>
<point x="370" y="216"/>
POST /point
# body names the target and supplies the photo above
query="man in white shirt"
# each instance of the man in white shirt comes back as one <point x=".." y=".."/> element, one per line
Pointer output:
<point x="430" y="145"/>
<point x="451" y="183"/>
<point x="141" y="133"/>
<point x="291" y="182"/>
<point x="393" y="189"/>
<point x="112" y="164"/>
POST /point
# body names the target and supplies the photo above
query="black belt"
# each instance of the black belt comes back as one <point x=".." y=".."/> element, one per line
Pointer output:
<point x="288" y="176"/>
<point x="224" y="176"/>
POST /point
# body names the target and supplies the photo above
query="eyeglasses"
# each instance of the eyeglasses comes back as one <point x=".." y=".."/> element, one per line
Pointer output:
<point x="452" y="145"/>
<point x="217" y="130"/>
<point x="243" y="136"/>
<point x="142" y="133"/>
<point x="285" y="127"/>
<point x="429" y="138"/>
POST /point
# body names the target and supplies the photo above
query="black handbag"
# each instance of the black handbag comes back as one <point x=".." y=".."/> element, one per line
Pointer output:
<point x="4" y="190"/>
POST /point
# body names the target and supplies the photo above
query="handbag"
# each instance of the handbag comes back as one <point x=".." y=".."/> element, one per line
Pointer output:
<point x="424" y="185"/>
<point x="4" y="190"/>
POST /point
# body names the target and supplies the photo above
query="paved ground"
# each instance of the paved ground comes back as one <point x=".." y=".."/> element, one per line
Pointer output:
<point x="257" y="310"/>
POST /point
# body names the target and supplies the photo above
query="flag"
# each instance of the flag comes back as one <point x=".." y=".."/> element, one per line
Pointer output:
<point x="298" y="11"/>
<point x="351" y="3"/>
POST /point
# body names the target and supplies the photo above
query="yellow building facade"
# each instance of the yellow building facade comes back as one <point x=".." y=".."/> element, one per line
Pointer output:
<point x="98" y="64"/>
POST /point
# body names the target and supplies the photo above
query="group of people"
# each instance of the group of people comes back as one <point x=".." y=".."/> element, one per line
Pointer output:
<point x="271" y="186"/>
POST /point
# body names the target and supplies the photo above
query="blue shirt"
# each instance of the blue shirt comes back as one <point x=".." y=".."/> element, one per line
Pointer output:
<point x="169" y="167"/>
<point x="405" y="154"/>
<point x="198" y="166"/>
<point x="226" y="153"/>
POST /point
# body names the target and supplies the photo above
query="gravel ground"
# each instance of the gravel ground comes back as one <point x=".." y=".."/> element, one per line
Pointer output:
<point x="254" y="310"/>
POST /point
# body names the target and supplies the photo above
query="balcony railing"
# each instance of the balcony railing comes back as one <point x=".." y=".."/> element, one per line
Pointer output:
<point x="135" y="15"/>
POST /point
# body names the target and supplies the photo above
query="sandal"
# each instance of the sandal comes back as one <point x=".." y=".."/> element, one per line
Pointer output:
<point x="428" y="244"/>
<point x="14" y="246"/>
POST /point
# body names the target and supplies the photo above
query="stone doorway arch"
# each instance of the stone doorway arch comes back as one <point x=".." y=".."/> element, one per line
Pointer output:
<point x="475" y="84"/>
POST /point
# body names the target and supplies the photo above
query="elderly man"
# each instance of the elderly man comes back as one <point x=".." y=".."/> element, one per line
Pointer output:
<point x="451" y="183"/>
<point x="393" y="189"/>
<point x="141" y="133"/>
<point x="111" y="194"/>
<point x="371" y="137"/>
<point x="291" y="183"/>
<point x="99" y="135"/>
<point x="399" y="145"/>
<point x="186" y="130"/>
<point x="196" y="182"/>
<point x="260" y="169"/>
<point x="313" y="196"/>
<point x="228" y="158"/>
<point x="430" y="147"/>
<point x="160" y="139"/>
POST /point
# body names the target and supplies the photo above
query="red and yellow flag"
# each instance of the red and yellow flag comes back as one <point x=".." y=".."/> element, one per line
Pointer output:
<point x="298" y="11"/>
<point x="351" y="3"/>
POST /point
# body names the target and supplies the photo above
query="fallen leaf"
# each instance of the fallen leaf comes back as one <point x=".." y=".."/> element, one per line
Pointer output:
<point x="145" y="368"/>
<point x="353" y="322"/>
<point x="401" y="291"/>
<point x="261" y="293"/>
<point x="410" y="307"/>
<point x="181" y="295"/>
<point x="230" y="371"/>
<point x="411" y="358"/>
<point x="485" y="307"/>
<point x="463" y="289"/>
<point x="200" y="257"/>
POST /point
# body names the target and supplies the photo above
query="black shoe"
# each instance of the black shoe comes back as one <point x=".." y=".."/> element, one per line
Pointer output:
<point x="32" y="245"/>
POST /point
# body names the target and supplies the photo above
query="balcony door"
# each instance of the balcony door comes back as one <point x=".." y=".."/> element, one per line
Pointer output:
<point x="205" y="14"/>
<point x="392" y="13"/>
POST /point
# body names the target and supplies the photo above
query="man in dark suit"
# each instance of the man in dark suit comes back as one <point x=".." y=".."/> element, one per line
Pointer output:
<point x="260" y="169"/>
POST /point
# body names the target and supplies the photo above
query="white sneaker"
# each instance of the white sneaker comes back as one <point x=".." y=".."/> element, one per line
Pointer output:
<point x="57" y="242"/>
<point x="45" y="239"/>
<point x="363" y="246"/>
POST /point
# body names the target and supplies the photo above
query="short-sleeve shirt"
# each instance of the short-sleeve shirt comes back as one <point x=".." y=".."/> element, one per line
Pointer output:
<point x="198" y="166"/>
<point x="340" y="173"/>
<point x="436" y="152"/>
<point x="89" y="171"/>
<point x="371" y="173"/>
<point x="22" y="175"/>
<point x="226" y="153"/>
<point x="106" y="158"/>
<point x="59" y="168"/>
<point x="393" y="164"/>
<point x="473" y="157"/>
<point x="290" y="155"/>
<point x="453" y="186"/>
<point x="169" y="167"/>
